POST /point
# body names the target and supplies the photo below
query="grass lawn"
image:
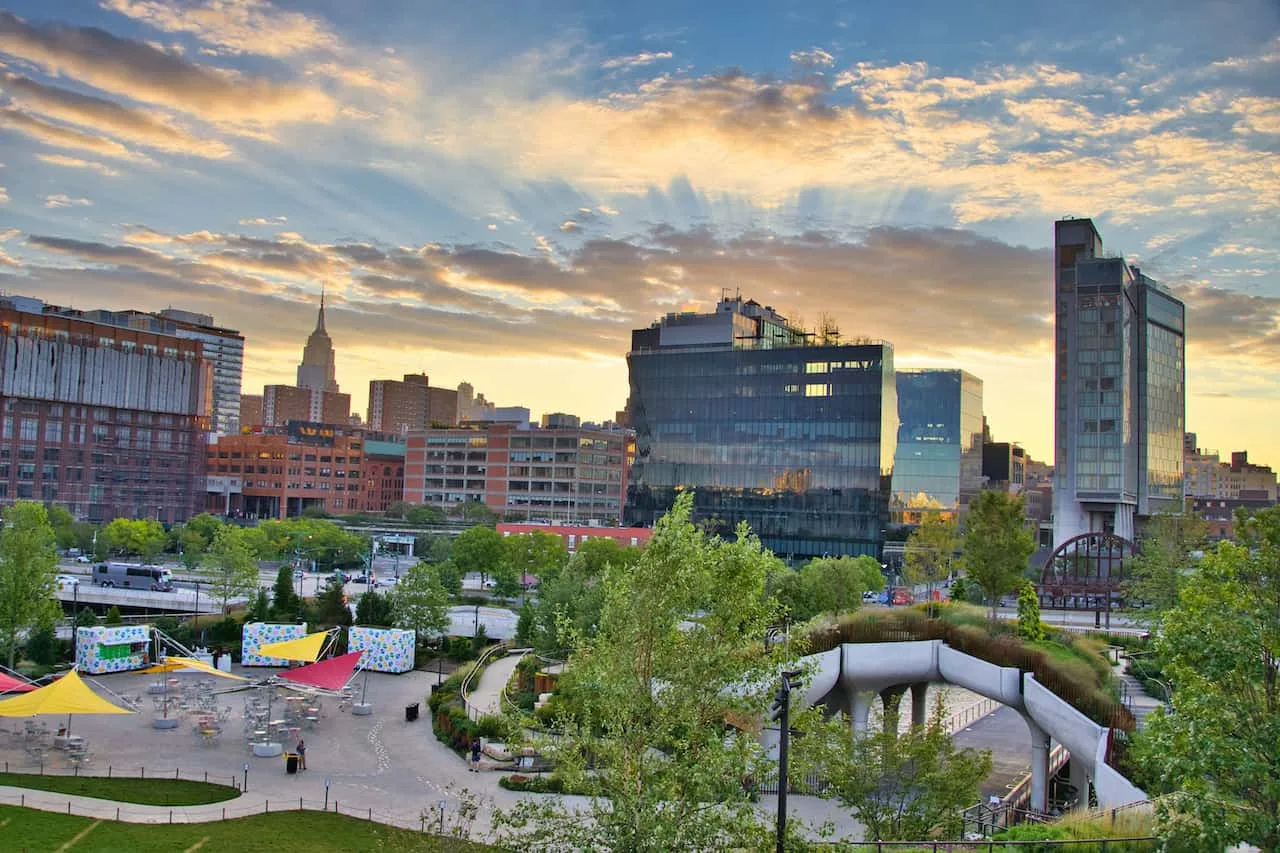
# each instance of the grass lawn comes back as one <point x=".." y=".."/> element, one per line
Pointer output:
<point x="312" y="832"/>
<point x="145" y="792"/>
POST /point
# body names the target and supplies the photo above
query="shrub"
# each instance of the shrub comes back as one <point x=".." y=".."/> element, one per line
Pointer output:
<point x="113" y="616"/>
<point x="532" y="784"/>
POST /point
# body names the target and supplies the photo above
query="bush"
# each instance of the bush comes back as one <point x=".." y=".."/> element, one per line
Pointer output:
<point x="113" y="616"/>
<point x="42" y="646"/>
<point x="532" y="784"/>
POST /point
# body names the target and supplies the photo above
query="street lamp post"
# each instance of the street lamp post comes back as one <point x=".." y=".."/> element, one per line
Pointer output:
<point x="782" y="706"/>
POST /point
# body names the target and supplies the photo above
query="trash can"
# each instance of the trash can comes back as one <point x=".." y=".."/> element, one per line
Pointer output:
<point x="291" y="762"/>
<point x="411" y="712"/>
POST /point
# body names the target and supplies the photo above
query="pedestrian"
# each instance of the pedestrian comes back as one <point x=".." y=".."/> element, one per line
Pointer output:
<point x="302" y="754"/>
<point x="475" y="756"/>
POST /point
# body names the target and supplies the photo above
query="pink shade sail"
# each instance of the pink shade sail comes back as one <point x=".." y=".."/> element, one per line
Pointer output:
<point x="9" y="684"/>
<point x="331" y="674"/>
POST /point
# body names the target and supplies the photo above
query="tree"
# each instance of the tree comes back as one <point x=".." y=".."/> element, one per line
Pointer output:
<point x="420" y="516"/>
<point x="825" y="585"/>
<point x="678" y="652"/>
<point x="997" y="544"/>
<point x="260" y="609"/>
<point x="479" y="550"/>
<point x="374" y="609"/>
<point x="63" y="524"/>
<point x="28" y="557"/>
<point x="540" y="554"/>
<point x="931" y="551"/>
<point x="197" y="535"/>
<point x="474" y="512"/>
<point x="419" y="602"/>
<point x="113" y="616"/>
<point x="1163" y="562"/>
<point x="903" y="786"/>
<point x="1029" y="625"/>
<point x="143" y="537"/>
<point x="1215" y="749"/>
<point x="229" y="566"/>
<point x="567" y="608"/>
<point x="331" y="605"/>
<point x="285" y="603"/>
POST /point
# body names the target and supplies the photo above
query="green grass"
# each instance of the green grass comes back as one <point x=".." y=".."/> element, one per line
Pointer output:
<point x="144" y="792"/>
<point x="280" y="832"/>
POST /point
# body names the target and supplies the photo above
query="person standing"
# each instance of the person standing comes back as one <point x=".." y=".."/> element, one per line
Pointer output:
<point x="475" y="755"/>
<point x="302" y="754"/>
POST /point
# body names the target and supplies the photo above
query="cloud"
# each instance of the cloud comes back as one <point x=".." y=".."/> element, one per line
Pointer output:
<point x="636" y="60"/>
<point x="265" y="220"/>
<point x="236" y="26"/>
<point x="61" y="200"/>
<point x="814" y="57"/>
<point x="128" y="123"/>
<point x="146" y="73"/>
<point x="77" y="163"/>
<point x="4" y="195"/>
<point x="63" y="137"/>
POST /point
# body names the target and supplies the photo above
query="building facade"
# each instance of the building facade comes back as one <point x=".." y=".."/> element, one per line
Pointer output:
<point x="280" y="471"/>
<point x="575" y="535"/>
<point x="107" y="420"/>
<point x="381" y="474"/>
<point x="397" y="407"/>
<point x="1120" y="390"/>
<point x="318" y="368"/>
<point x="794" y="437"/>
<point x="1207" y="476"/>
<point x="251" y="410"/>
<point x="937" y="467"/>
<point x="576" y="475"/>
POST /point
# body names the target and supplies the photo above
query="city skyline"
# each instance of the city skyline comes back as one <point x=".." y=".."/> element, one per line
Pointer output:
<point x="473" y="187"/>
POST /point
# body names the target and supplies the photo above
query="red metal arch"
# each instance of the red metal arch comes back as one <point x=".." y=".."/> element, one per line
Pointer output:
<point x="1087" y="572"/>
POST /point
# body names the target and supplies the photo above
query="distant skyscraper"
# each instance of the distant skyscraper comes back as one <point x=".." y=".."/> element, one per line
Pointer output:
<point x="767" y="426"/>
<point x="317" y="369"/>
<point x="937" y="467"/>
<point x="1120" y="390"/>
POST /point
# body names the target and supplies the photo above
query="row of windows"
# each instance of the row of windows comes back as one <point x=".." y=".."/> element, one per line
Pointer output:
<point x="58" y="410"/>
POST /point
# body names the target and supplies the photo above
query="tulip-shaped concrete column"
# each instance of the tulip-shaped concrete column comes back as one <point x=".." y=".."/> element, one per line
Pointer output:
<point x="891" y="697"/>
<point x="1039" y="767"/>
<point x="859" y="710"/>
<point x="919" y="704"/>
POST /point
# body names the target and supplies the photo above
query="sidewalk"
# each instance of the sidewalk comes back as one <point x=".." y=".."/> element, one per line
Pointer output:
<point x="486" y="698"/>
<point x="1137" y="699"/>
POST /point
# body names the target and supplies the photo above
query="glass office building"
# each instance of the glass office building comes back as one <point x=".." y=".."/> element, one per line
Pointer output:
<point x="938" y="464"/>
<point x="1120" y="390"/>
<point x="767" y="426"/>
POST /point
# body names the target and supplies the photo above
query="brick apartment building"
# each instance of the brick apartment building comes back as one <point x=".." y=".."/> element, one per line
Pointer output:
<point x="106" y="420"/>
<point x="381" y="474"/>
<point x="538" y="474"/>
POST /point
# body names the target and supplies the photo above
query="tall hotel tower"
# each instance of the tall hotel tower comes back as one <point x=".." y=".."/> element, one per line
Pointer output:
<point x="1119" y="390"/>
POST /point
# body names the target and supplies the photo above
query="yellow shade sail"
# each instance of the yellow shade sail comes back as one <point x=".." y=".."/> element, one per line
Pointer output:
<point x="304" y="648"/>
<point x="67" y="695"/>
<point x="177" y="664"/>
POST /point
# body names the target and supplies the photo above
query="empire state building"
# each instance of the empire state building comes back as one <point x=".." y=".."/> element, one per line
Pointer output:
<point x="317" y="369"/>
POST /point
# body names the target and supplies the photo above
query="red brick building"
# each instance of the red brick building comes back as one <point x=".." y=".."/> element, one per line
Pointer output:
<point x="381" y="475"/>
<point x="575" y="535"/>
<point x="107" y="421"/>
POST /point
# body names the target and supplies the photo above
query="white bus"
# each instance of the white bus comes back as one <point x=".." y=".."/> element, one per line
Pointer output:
<point x="133" y="576"/>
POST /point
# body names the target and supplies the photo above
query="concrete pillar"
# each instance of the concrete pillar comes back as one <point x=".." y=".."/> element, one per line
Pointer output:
<point x="1080" y="781"/>
<point x="891" y="698"/>
<point x="859" y="710"/>
<point x="919" y="704"/>
<point x="1039" y="801"/>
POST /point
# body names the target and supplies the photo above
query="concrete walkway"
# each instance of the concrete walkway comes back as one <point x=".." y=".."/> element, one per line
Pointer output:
<point x="486" y="698"/>
<point x="1137" y="699"/>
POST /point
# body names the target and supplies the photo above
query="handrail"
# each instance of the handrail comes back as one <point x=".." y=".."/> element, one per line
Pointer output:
<point x="481" y="662"/>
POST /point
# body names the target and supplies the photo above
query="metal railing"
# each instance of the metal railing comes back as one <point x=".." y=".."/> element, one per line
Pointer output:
<point x="114" y="771"/>
<point x="486" y="657"/>
<point x="1139" y="842"/>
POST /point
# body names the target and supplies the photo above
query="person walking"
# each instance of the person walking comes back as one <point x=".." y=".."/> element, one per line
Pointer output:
<point x="302" y="754"/>
<point x="475" y="756"/>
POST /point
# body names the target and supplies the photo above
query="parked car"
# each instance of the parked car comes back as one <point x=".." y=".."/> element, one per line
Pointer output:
<point x="388" y="581"/>
<point x="84" y="558"/>
<point x="363" y="577"/>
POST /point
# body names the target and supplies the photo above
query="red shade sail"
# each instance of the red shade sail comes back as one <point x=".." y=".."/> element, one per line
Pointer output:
<point x="331" y="674"/>
<point x="9" y="684"/>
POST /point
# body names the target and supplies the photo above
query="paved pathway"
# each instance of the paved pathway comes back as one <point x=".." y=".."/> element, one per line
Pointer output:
<point x="380" y="766"/>
<point x="1138" y="700"/>
<point x="486" y="698"/>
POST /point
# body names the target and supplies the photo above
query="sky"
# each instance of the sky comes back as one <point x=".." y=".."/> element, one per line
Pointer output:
<point x="499" y="192"/>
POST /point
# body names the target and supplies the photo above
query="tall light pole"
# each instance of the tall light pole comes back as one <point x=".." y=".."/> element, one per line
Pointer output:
<point x="782" y="708"/>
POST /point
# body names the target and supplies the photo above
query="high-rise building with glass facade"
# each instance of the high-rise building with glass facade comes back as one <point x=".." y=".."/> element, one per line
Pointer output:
<point x="767" y="425"/>
<point x="1120" y="389"/>
<point x="938" y="464"/>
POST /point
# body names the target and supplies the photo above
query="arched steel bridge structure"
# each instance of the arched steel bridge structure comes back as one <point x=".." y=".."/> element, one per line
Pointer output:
<point x="1088" y="572"/>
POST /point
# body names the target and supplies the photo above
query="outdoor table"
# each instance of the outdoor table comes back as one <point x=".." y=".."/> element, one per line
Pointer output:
<point x="68" y="741"/>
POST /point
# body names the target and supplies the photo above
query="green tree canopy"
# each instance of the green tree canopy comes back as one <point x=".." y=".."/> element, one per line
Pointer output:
<point x="1164" y="561"/>
<point x="540" y="554"/>
<point x="142" y="537"/>
<point x="420" y="603"/>
<point x="479" y="550"/>
<point x="907" y="786"/>
<point x="284" y="600"/>
<point x="568" y="605"/>
<point x="374" y="609"/>
<point x="330" y="607"/>
<point x="826" y="585"/>
<point x="931" y="551"/>
<point x="229" y="565"/>
<point x="1215" y="751"/>
<point x="197" y="535"/>
<point x="28" y="558"/>
<point x="997" y="544"/>
<point x="678" y="653"/>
